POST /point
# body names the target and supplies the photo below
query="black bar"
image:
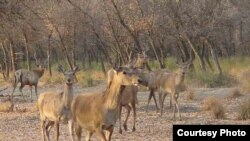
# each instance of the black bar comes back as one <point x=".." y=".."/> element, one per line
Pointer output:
<point x="211" y="132"/>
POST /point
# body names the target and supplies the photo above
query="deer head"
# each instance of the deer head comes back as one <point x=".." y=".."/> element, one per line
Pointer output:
<point x="184" y="66"/>
<point x="41" y="64"/>
<point x="68" y="75"/>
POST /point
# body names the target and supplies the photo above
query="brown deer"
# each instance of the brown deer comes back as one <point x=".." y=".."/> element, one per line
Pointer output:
<point x="55" y="107"/>
<point x="150" y="80"/>
<point x="173" y="84"/>
<point x="129" y="95"/>
<point x="31" y="78"/>
<point x="128" y="100"/>
<point x="98" y="112"/>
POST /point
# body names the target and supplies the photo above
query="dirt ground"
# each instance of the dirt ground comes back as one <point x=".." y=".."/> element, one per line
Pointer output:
<point x="24" y="124"/>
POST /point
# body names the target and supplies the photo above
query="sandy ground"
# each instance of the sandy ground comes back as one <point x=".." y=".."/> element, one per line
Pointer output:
<point x="25" y="125"/>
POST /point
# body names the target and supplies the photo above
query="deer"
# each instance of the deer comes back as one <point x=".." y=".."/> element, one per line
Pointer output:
<point x="98" y="112"/>
<point x="128" y="100"/>
<point x="173" y="84"/>
<point x="129" y="95"/>
<point x="31" y="78"/>
<point x="151" y="80"/>
<point x="54" y="107"/>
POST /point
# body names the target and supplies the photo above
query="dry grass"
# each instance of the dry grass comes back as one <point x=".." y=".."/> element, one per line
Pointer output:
<point x="190" y="95"/>
<point x="212" y="105"/>
<point x="85" y="78"/>
<point x="6" y="106"/>
<point x="245" y="81"/>
<point x="234" y="94"/>
<point x="244" y="111"/>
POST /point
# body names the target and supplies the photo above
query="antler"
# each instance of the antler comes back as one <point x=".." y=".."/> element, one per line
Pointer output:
<point x="37" y="61"/>
<point x="60" y="68"/>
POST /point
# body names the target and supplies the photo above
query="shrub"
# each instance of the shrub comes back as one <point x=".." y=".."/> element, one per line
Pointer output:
<point x="209" y="79"/>
<point x="87" y="79"/>
<point x="212" y="105"/>
<point x="234" y="94"/>
<point x="244" y="112"/>
<point x="245" y="81"/>
<point x="190" y="95"/>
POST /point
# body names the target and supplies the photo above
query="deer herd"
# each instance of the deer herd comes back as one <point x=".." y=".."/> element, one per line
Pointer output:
<point x="98" y="112"/>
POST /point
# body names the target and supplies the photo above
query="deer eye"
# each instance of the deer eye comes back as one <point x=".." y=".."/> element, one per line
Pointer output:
<point x="124" y="72"/>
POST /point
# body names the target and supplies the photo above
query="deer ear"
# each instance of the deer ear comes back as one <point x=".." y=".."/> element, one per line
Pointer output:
<point x="76" y="69"/>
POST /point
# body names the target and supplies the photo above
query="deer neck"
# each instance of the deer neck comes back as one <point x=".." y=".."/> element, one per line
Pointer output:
<point x="180" y="78"/>
<point x="67" y="95"/>
<point x="112" y="96"/>
<point x="39" y="72"/>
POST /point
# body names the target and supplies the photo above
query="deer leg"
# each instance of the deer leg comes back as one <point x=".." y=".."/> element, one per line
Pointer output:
<point x="176" y="106"/>
<point x="100" y="135"/>
<point x="128" y="113"/>
<point x="70" y="125"/>
<point x="14" y="87"/>
<point x="43" y="128"/>
<point x="160" y="102"/>
<point x="20" y="89"/>
<point x="30" y="93"/>
<point x="109" y="132"/>
<point x="48" y="127"/>
<point x="36" y="90"/>
<point x="149" y="98"/>
<point x="88" y="136"/>
<point x="156" y="105"/>
<point x="120" y="118"/>
<point x="57" y="130"/>
<point x="78" y="131"/>
<point x="170" y="102"/>
<point x="134" y="113"/>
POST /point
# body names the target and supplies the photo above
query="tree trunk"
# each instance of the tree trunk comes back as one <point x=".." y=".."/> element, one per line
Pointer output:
<point x="155" y="53"/>
<point x="6" y="64"/>
<point x="12" y="56"/>
<point x="131" y="33"/>
<point x="27" y="50"/>
<point x="194" y="50"/>
<point x="49" y="53"/>
<point x="215" y="56"/>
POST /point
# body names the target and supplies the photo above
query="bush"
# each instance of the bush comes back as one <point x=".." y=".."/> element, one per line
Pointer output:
<point x="234" y="94"/>
<point x="209" y="79"/>
<point x="245" y="81"/>
<point x="244" y="112"/>
<point x="212" y="105"/>
<point x="87" y="80"/>
<point x="190" y="95"/>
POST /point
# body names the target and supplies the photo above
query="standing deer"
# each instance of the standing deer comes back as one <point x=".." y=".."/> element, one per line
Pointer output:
<point x="31" y="78"/>
<point x="55" y="107"/>
<point x="151" y="80"/>
<point x="98" y="112"/>
<point x="129" y="94"/>
<point x="173" y="84"/>
<point x="128" y="100"/>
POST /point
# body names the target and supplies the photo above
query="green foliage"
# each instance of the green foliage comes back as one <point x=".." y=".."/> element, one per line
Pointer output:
<point x="209" y="79"/>
<point x="171" y="63"/>
<point x="87" y="81"/>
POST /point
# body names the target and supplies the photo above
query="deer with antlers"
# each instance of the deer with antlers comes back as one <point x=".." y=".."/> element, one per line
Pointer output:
<point x="55" y="107"/>
<point x="31" y="78"/>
